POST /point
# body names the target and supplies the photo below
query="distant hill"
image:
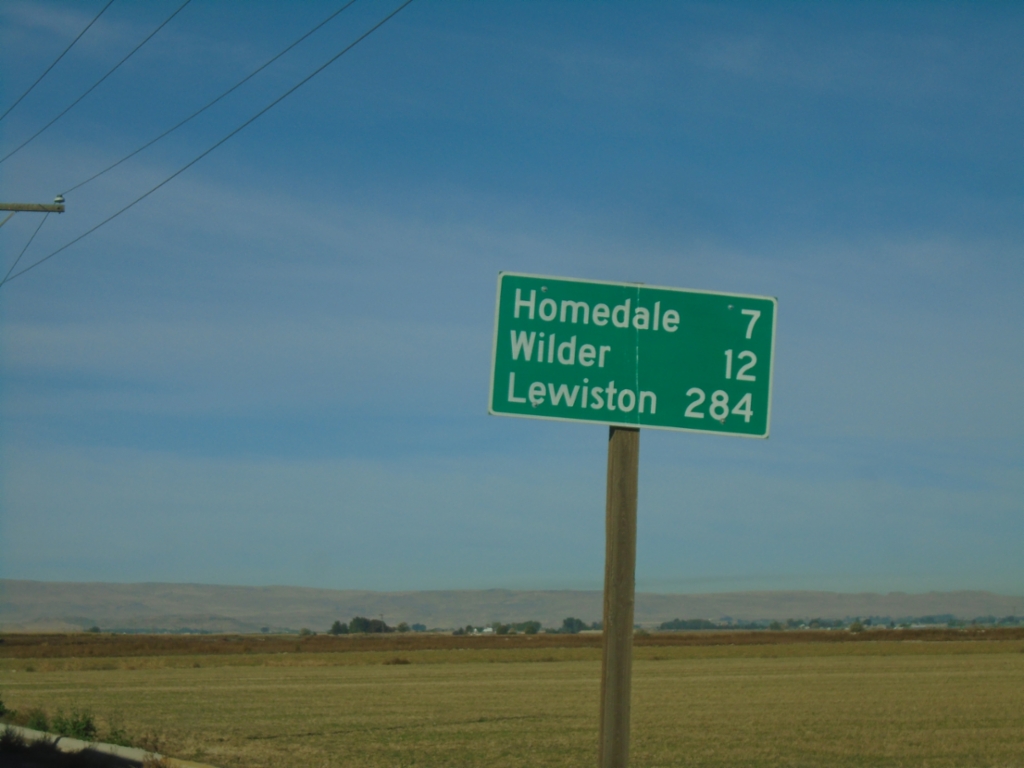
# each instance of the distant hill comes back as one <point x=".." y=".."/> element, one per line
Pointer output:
<point x="62" y="606"/>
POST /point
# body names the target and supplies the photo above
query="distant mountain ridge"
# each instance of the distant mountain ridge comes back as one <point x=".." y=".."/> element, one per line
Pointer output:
<point x="68" y="606"/>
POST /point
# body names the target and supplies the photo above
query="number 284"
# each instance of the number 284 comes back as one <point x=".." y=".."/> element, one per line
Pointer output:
<point x="719" y="407"/>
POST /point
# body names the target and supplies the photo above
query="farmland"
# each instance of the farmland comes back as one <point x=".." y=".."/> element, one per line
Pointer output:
<point x="700" y="699"/>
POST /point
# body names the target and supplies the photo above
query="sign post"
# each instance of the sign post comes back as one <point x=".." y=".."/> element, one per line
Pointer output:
<point x="619" y="574"/>
<point x="629" y="356"/>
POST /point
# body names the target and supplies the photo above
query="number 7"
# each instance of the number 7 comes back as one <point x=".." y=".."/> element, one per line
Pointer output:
<point x="754" y="314"/>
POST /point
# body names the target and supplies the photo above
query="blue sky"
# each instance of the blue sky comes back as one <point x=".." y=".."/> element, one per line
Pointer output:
<point x="274" y="369"/>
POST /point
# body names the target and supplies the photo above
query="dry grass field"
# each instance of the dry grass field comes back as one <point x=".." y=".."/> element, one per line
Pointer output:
<point x="84" y="644"/>
<point x="727" y="700"/>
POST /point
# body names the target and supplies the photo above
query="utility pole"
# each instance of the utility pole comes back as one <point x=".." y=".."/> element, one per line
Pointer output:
<point x="46" y="210"/>
<point x="57" y="207"/>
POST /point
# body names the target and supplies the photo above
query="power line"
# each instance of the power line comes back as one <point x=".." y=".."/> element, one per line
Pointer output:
<point x="7" y="276"/>
<point x="47" y="70"/>
<point x="211" y="103"/>
<point x="93" y="86"/>
<point x="188" y="165"/>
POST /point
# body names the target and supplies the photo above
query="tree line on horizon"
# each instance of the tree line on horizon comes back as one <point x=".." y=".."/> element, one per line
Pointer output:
<point x="572" y="625"/>
<point x="854" y="623"/>
<point x="363" y="625"/>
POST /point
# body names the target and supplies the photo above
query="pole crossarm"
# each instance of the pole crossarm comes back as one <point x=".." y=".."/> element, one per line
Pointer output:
<point x="33" y="207"/>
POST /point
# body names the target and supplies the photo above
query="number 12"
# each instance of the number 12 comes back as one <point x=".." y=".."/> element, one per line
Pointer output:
<point x="742" y="374"/>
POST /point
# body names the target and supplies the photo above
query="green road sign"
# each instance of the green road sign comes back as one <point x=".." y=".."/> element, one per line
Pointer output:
<point x="632" y="355"/>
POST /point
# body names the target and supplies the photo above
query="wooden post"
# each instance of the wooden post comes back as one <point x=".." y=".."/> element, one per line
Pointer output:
<point x="619" y="588"/>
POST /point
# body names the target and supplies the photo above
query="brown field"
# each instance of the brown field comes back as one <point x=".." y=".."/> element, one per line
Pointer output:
<point x="700" y="699"/>
<point x="84" y="644"/>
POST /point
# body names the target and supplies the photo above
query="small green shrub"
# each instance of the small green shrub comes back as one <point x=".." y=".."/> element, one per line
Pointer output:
<point x="3" y="709"/>
<point x="37" y="720"/>
<point x="77" y="725"/>
<point x="116" y="732"/>
<point x="118" y="735"/>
